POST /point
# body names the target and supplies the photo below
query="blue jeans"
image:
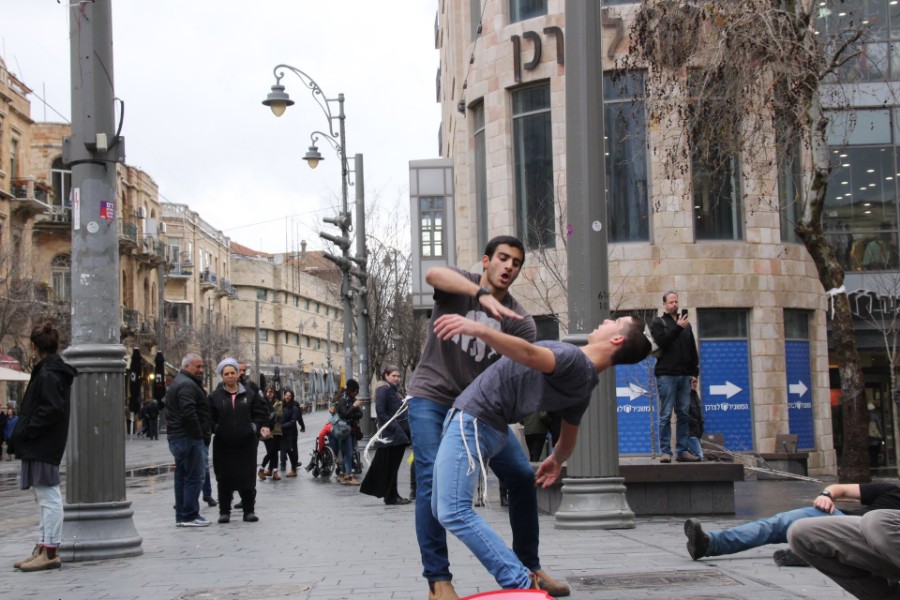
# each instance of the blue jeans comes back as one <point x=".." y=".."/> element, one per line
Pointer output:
<point x="189" y="472"/>
<point x="771" y="530"/>
<point x="426" y="422"/>
<point x="49" y="499"/>
<point x="207" y="485"/>
<point x="694" y="446"/>
<point x="674" y="392"/>
<point x="345" y="446"/>
<point x="453" y="487"/>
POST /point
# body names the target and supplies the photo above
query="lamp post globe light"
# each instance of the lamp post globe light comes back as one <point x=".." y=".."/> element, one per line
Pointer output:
<point x="278" y="100"/>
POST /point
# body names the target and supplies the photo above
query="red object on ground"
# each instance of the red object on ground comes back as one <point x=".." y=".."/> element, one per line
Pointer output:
<point x="511" y="595"/>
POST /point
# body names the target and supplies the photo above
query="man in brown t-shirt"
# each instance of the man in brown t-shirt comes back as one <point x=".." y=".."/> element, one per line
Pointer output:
<point x="444" y="371"/>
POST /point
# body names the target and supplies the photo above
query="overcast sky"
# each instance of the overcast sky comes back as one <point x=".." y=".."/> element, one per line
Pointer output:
<point x="192" y="74"/>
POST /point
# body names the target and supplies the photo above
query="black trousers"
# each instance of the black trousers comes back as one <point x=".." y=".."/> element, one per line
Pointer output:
<point x="226" y="495"/>
<point x="289" y="449"/>
<point x="271" y="458"/>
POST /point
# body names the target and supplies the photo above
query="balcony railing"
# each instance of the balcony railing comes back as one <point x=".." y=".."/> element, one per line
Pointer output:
<point x="30" y="195"/>
<point x="180" y="271"/>
<point x="55" y="216"/>
<point x="131" y="318"/>
<point x="207" y="279"/>
<point x="129" y="232"/>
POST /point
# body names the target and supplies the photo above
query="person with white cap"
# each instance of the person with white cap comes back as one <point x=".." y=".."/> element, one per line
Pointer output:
<point x="238" y="418"/>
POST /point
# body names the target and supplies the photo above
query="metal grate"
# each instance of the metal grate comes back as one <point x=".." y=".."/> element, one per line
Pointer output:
<point x="650" y="580"/>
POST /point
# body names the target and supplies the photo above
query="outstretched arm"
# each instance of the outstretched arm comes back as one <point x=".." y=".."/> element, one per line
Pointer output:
<point x="839" y="491"/>
<point x="517" y="349"/>
<point x="549" y="471"/>
<point x="452" y="282"/>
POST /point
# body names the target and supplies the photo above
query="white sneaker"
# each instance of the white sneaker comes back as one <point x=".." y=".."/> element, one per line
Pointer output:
<point x="198" y="522"/>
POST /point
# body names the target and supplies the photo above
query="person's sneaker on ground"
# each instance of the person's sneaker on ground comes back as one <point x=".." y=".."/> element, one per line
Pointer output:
<point x="665" y="458"/>
<point x="697" y="542"/>
<point x="555" y="588"/>
<point x="786" y="558"/>
<point x="198" y="522"/>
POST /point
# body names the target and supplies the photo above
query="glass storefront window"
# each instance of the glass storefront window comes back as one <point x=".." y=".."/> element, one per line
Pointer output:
<point x="533" y="164"/>
<point x="861" y="206"/>
<point x="873" y="57"/>
<point x="626" y="157"/>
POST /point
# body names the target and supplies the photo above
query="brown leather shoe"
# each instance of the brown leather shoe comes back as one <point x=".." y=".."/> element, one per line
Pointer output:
<point x="553" y="587"/>
<point x="291" y="474"/>
<point x="276" y="476"/>
<point x="47" y="559"/>
<point x="535" y="581"/>
<point x="37" y="550"/>
<point x="441" y="590"/>
<point x="261" y="474"/>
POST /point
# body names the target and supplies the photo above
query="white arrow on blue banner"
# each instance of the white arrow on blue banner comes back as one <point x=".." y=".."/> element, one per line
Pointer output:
<point x="728" y="390"/>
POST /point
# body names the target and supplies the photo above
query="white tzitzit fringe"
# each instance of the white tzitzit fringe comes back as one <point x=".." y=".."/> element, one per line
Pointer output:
<point x="377" y="436"/>
<point x="481" y="465"/>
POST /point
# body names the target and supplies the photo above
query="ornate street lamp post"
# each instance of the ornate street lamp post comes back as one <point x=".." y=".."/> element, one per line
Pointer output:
<point x="278" y="100"/>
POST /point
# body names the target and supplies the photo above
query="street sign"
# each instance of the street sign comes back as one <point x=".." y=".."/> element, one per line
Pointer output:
<point x="635" y="399"/>
<point x="800" y="404"/>
<point x="725" y="391"/>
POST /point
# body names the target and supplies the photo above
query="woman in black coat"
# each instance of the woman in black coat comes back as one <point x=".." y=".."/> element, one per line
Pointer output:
<point x="238" y="418"/>
<point x="381" y="479"/>
<point x="39" y="440"/>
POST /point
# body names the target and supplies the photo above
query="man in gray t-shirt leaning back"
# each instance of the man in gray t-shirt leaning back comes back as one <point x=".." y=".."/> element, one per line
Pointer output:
<point x="529" y="378"/>
<point x="446" y="368"/>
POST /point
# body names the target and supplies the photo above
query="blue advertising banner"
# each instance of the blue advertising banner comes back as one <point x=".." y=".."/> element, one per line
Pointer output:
<point x="800" y="409"/>
<point x="725" y="391"/>
<point x="636" y="402"/>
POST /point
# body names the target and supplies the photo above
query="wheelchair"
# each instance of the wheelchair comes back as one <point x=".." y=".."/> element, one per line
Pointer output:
<point x="321" y="462"/>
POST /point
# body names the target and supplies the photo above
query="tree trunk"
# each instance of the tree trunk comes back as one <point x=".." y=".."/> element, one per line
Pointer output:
<point x="853" y="465"/>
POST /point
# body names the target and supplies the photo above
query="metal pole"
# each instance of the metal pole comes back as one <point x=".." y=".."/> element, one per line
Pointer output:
<point x="328" y="349"/>
<point x="593" y="494"/>
<point x="256" y="343"/>
<point x="300" y="362"/>
<point x="98" y="520"/>
<point x="362" y="316"/>
<point x="345" y="271"/>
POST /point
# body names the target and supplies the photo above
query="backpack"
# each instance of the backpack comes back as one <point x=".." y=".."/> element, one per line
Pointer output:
<point x="654" y="349"/>
<point x="340" y="428"/>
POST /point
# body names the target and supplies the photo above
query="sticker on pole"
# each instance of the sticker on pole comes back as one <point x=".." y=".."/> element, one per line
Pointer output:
<point x="108" y="211"/>
<point x="76" y="209"/>
<point x="597" y="226"/>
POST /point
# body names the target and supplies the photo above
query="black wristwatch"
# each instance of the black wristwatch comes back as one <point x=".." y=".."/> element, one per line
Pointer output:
<point x="481" y="292"/>
<point x="827" y="494"/>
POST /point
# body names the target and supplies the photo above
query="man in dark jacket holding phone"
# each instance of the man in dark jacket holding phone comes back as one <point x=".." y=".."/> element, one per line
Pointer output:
<point x="677" y="362"/>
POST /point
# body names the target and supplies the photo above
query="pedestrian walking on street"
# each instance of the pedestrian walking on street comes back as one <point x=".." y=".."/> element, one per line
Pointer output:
<point x="273" y="443"/>
<point x="381" y="478"/>
<point x="11" y="420"/>
<point x="290" y="424"/>
<point x="348" y="410"/>
<point x="39" y="440"/>
<point x="188" y="428"/>
<point x="238" y="417"/>
<point x="2" y="431"/>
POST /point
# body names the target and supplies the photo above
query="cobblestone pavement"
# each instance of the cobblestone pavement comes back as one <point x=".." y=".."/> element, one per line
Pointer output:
<point x="320" y="540"/>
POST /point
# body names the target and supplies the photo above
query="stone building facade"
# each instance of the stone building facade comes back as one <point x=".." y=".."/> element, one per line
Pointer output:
<point x="300" y="319"/>
<point x="755" y="301"/>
